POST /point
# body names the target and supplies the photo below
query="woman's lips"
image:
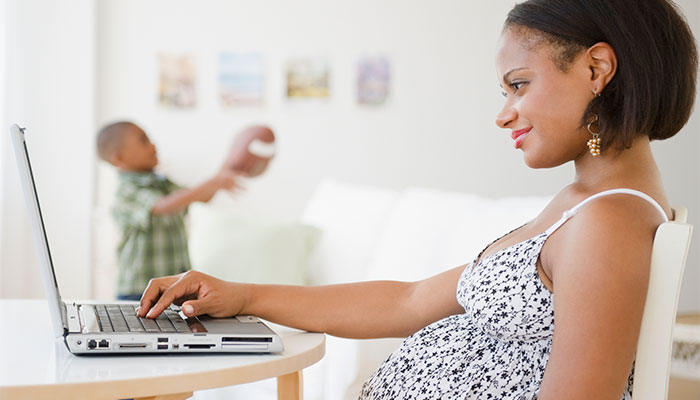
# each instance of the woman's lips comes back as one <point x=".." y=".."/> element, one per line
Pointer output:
<point x="519" y="136"/>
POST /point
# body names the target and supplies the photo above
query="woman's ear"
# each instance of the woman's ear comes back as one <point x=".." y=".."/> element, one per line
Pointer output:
<point x="603" y="65"/>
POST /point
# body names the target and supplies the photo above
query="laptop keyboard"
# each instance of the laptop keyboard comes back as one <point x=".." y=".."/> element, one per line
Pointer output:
<point x="122" y="318"/>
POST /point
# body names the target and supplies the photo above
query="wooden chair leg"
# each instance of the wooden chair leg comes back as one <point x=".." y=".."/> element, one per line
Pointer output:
<point x="175" y="396"/>
<point x="290" y="386"/>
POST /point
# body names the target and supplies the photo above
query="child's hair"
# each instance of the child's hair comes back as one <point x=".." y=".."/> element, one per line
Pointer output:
<point x="110" y="139"/>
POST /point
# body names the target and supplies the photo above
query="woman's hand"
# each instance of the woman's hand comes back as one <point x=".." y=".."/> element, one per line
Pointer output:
<point x="196" y="292"/>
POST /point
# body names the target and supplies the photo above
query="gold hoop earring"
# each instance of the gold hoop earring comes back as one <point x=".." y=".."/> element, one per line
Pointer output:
<point x="594" y="143"/>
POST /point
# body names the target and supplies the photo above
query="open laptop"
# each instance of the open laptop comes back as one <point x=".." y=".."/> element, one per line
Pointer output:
<point x="114" y="328"/>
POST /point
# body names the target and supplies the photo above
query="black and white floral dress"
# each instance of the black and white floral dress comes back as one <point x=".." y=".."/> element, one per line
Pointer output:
<point x="498" y="348"/>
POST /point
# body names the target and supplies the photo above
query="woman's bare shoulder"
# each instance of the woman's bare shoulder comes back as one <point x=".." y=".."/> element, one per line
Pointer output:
<point x="611" y="234"/>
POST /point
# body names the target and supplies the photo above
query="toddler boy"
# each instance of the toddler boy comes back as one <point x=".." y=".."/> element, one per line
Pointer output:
<point x="149" y="208"/>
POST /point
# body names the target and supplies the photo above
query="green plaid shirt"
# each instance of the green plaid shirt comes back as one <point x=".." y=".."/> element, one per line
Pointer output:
<point x="152" y="245"/>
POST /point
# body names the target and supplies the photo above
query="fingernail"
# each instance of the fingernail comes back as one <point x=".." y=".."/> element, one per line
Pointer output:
<point x="188" y="309"/>
<point x="148" y="315"/>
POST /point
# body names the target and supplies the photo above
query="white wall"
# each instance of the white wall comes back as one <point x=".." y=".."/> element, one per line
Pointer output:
<point x="437" y="130"/>
<point x="3" y="112"/>
<point x="50" y="91"/>
<point x="679" y="161"/>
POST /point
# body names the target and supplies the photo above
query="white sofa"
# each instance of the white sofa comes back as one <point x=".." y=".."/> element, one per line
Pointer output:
<point x="369" y="233"/>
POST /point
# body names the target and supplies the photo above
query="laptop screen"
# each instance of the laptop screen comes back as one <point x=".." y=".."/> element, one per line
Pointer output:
<point x="31" y="197"/>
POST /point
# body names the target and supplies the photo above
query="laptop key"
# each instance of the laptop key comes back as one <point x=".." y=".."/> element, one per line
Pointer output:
<point x="148" y="323"/>
<point x="151" y="327"/>
<point x="104" y="324"/>
<point x="135" y="326"/>
<point x="181" y="326"/>
<point x="165" y="325"/>
<point x="128" y="310"/>
<point x="177" y="321"/>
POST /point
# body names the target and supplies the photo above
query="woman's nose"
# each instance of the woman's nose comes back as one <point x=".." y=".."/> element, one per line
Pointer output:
<point x="506" y="116"/>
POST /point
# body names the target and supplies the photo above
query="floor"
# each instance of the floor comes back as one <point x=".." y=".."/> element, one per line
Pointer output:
<point x="682" y="389"/>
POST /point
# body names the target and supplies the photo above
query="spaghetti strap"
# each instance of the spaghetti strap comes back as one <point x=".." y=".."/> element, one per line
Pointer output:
<point x="572" y="211"/>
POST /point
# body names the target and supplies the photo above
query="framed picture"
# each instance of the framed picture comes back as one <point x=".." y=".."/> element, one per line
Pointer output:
<point x="177" y="81"/>
<point x="308" y="77"/>
<point x="241" y="80"/>
<point x="373" y="78"/>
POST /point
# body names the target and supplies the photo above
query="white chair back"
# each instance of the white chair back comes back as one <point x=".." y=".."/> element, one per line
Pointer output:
<point x="653" y="361"/>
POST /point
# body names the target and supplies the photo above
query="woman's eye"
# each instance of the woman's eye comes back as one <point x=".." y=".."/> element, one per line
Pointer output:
<point x="517" y="85"/>
<point x="514" y="86"/>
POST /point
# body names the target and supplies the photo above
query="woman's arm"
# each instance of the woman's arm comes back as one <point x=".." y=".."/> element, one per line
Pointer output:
<point x="355" y="310"/>
<point x="600" y="262"/>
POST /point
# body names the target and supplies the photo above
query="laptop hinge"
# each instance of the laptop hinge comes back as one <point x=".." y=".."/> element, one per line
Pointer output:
<point x="74" y="322"/>
<point x="88" y="319"/>
<point x="64" y="318"/>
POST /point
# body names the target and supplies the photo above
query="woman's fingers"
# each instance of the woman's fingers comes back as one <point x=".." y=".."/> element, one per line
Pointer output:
<point x="198" y="294"/>
<point x="187" y="284"/>
<point x="152" y="293"/>
<point x="181" y="300"/>
<point x="158" y="292"/>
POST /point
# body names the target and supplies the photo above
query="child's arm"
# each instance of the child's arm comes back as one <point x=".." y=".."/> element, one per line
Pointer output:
<point x="181" y="199"/>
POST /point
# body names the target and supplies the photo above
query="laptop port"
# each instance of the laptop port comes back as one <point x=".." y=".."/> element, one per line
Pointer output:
<point x="104" y="344"/>
<point x="162" y="340"/>
<point x="199" y="346"/>
<point x="162" y="346"/>
<point x="132" y="345"/>
<point x="92" y="343"/>
<point x="226" y="339"/>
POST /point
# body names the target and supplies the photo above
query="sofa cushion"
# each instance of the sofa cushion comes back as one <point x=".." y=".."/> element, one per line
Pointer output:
<point x="352" y="218"/>
<point x="252" y="250"/>
<point x="430" y="231"/>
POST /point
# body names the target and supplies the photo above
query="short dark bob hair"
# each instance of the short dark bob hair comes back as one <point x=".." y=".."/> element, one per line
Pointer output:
<point x="653" y="90"/>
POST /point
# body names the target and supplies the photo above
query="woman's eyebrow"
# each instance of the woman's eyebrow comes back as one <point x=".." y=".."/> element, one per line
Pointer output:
<point x="507" y="74"/>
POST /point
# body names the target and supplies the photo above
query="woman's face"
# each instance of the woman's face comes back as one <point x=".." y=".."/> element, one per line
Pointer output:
<point x="543" y="106"/>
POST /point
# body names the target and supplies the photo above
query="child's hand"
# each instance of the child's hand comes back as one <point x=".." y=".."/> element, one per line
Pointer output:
<point x="227" y="179"/>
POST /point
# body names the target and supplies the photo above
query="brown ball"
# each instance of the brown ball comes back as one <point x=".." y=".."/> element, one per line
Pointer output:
<point x="251" y="151"/>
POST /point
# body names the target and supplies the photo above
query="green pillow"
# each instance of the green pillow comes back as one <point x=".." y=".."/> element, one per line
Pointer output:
<point x="249" y="250"/>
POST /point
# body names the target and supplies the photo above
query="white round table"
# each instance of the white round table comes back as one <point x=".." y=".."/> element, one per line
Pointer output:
<point x="34" y="365"/>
